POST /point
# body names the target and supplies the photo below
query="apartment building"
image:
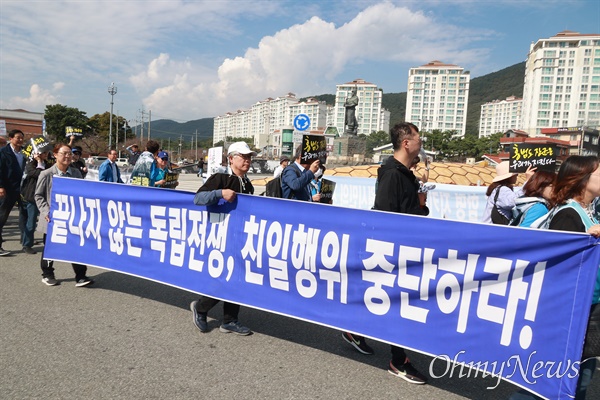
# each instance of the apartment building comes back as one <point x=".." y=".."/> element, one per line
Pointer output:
<point x="500" y="116"/>
<point x="369" y="112"/>
<point x="258" y="122"/>
<point x="562" y="82"/>
<point x="437" y="97"/>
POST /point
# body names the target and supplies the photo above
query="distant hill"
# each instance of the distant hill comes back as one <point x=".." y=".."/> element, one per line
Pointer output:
<point x="495" y="86"/>
<point x="168" y="129"/>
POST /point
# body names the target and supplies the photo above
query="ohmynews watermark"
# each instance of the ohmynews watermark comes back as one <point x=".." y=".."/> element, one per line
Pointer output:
<point x="530" y="371"/>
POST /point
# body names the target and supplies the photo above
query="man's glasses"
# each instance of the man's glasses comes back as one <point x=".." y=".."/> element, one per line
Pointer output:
<point x="65" y="153"/>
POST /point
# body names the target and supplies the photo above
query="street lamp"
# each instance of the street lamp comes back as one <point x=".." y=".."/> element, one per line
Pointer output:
<point x="112" y="90"/>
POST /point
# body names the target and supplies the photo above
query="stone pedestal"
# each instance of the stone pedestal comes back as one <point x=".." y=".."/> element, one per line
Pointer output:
<point x="348" y="146"/>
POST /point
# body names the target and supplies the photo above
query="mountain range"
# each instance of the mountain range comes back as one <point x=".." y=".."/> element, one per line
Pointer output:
<point x="494" y="86"/>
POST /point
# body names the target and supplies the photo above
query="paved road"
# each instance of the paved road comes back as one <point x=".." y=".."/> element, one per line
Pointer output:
<point x="130" y="338"/>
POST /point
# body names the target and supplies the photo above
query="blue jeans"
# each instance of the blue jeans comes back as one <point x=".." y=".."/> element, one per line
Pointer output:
<point x="27" y="222"/>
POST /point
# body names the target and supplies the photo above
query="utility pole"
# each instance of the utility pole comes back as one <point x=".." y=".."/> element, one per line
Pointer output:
<point x="112" y="90"/>
<point x="196" y="145"/>
<point x="142" y="125"/>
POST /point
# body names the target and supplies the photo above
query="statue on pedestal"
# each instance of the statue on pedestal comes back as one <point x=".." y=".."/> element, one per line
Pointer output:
<point x="350" y="121"/>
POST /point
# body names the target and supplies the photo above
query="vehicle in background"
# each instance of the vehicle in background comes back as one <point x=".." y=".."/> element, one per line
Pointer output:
<point x="96" y="160"/>
<point x="122" y="162"/>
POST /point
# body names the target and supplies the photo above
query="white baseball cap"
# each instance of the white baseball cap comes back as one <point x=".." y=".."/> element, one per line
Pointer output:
<point x="241" y="148"/>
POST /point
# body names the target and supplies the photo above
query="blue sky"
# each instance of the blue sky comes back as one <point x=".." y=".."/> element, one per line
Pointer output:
<point x="185" y="60"/>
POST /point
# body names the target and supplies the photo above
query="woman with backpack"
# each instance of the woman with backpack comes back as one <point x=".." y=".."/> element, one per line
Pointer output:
<point x="534" y="202"/>
<point x="502" y="196"/>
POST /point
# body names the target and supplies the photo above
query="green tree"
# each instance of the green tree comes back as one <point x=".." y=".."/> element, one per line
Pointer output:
<point x="58" y="117"/>
<point x="374" y="140"/>
<point x="100" y="124"/>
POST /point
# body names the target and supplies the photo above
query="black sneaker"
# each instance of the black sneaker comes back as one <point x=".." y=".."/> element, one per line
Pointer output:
<point x="198" y="319"/>
<point x="29" y="250"/>
<point x="4" y="252"/>
<point x="407" y="372"/>
<point x="50" y="281"/>
<point x="235" y="327"/>
<point x="358" y="342"/>
<point x="84" y="282"/>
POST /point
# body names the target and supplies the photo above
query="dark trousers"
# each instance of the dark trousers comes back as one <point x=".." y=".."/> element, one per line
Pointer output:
<point x="27" y="222"/>
<point x="48" y="266"/>
<point x="230" y="310"/>
<point x="398" y="356"/>
<point x="6" y="205"/>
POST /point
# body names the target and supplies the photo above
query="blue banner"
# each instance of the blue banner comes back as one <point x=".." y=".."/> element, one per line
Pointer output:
<point x="503" y="301"/>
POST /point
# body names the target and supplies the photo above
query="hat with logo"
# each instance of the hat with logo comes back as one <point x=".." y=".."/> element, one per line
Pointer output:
<point x="241" y="148"/>
<point x="163" y="155"/>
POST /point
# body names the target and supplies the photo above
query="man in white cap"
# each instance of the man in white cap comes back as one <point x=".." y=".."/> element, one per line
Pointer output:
<point x="224" y="186"/>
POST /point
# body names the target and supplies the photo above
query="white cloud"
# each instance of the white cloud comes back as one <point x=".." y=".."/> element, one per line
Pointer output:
<point x="38" y="97"/>
<point x="306" y="59"/>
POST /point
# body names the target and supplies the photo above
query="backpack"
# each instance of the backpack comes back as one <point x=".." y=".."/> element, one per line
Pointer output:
<point x="273" y="187"/>
<point x="497" y="217"/>
<point x="522" y="205"/>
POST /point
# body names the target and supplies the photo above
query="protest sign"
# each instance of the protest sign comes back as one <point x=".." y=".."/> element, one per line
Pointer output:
<point x="73" y="131"/>
<point x="36" y="145"/>
<point x="314" y="147"/>
<point x="327" y="189"/>
<point x="525" y="155"/>
<point x="171" y="179"/>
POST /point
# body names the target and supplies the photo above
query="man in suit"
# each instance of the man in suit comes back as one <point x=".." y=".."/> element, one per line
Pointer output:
<point x="12" y="164"/>
<point x="109" y="171"/>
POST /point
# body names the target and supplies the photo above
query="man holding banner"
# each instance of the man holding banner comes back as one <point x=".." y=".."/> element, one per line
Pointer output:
<point x="224" y="186"/>
<point x="397" y="191"/>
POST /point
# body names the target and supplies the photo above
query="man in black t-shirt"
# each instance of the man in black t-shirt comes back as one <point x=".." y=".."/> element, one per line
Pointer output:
<point x="224" y="186"/>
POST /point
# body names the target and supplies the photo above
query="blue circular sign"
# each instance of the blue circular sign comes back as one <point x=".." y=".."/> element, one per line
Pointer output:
<point x="301" y="122"/>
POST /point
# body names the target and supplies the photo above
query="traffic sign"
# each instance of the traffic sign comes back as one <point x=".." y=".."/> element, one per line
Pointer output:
<point x="301" y="122"/>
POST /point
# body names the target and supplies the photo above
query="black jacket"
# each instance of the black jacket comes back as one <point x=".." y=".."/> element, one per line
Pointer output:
<point x="397" y="189"/>
<point x="11" y="173"/>
<point x="32" y="172"/>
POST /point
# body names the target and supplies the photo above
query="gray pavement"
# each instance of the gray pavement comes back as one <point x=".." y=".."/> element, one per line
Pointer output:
<point x="130" y="338"/>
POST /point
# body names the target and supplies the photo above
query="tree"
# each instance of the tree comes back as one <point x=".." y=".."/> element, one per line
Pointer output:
<point x="58" y="117"/>
<point x="100" y="123"/>
<point x="374" y="140"/>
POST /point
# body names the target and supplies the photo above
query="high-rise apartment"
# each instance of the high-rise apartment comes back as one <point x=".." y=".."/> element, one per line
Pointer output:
<point x="438" y="96"/>
<point x="368" y="112"/>
<point x="258" y="122"/>
<point x="562" y="82"/>
<point x="500" y="116"/>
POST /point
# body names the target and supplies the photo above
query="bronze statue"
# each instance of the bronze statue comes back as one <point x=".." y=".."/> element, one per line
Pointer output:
<point x="351" y="122"/>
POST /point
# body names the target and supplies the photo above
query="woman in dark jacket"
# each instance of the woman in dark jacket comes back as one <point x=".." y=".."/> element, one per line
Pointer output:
<point x="29" y="211"/>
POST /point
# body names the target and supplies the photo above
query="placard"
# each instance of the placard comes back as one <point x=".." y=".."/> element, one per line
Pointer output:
<point x="36" y="145"/>
<point x="327" y="189"/>
<point x="73" y="131"/>
<point x="171" y="179"/>
<point x="314" y="147"/>
<point x="535" y="155"/>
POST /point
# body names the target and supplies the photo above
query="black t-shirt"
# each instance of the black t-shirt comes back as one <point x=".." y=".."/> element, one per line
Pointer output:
<point x="226" y="181"/>
<point x="567" y="219"/>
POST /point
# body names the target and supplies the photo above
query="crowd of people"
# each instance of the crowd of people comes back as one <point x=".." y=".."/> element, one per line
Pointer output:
<point x="566" y="201"/>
